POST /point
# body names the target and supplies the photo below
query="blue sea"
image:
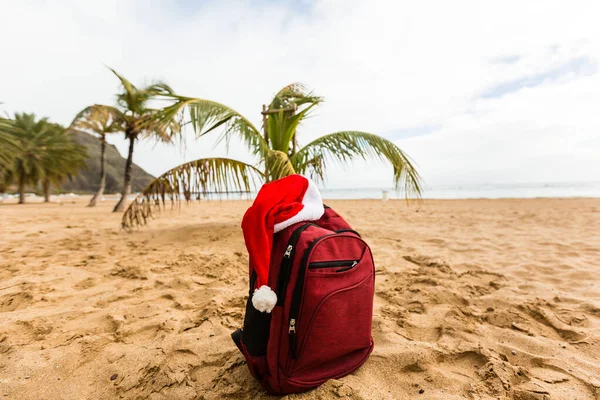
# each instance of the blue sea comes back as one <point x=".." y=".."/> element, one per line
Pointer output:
<point x="478" y="191"/>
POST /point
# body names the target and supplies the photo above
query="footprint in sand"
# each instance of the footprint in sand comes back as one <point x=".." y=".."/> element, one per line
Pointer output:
<point x="439" y="242"/>
<point x="15" y="301"/>
<point x="425" y="261"/>
<point x="549" y="319"/>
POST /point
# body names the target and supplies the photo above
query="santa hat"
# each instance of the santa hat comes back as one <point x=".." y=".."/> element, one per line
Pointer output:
<point x="279" y="204"/>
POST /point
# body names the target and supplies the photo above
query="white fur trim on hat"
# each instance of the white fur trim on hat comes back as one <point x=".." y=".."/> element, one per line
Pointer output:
<point x="264" y="299"/>
<point x="312" y="210"/>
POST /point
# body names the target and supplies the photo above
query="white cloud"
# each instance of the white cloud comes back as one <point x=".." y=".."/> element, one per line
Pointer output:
<point x="383" y="66"/>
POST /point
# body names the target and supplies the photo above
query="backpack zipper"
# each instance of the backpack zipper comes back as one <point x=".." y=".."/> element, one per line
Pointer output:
<point x="332" y="264"/>
<point x="297" y="295"/>
<point x="286" y="263"/>
<point x="348" y="267"/>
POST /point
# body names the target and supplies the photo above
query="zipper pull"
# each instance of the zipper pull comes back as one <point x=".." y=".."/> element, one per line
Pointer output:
<point x="354" y="263"/>
<point x="293" y="338"/>
<point x="288" y="251"/>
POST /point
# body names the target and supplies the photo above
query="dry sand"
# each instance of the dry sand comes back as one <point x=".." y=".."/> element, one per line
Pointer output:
<point x="482" y="299"/>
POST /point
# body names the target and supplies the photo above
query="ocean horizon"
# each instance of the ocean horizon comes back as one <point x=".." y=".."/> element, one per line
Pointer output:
<point x="475" y="191"/>
<point x="430" y="192"/>
<point x="457" y="191"/>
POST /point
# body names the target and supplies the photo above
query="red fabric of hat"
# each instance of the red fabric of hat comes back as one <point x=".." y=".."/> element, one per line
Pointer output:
<point x="279" y="204"/>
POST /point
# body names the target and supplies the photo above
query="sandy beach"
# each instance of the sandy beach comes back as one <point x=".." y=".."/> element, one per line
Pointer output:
<point x="475" y="299"/>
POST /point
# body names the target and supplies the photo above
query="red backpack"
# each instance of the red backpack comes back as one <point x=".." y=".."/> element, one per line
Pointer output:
<point x="320" y="329"/>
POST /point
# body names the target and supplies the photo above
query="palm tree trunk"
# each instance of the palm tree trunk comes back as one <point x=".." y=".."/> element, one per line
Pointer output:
<point x="22" y="188"/>
<point x="294" y="140"/>
<point x="46" y="186"/>
<point x="265" y="122"/>
<point x="127" y="179"/>
<point x="100" y="191"/>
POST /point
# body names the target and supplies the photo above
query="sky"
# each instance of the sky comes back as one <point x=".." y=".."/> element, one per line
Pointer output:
<point x="474" y="92"/>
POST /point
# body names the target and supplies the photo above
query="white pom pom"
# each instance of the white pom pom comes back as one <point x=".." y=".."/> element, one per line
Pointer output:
<point x="264" y="299"/>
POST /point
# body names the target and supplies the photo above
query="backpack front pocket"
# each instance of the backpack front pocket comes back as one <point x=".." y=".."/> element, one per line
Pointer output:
<point x="339" y="327"/>
<point x="332" y="306"/>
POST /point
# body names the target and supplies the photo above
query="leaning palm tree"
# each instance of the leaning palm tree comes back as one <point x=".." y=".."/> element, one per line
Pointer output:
<point x="139" y="119"/>
<point x="99" y="122"/>
<point x="277" y="152"/>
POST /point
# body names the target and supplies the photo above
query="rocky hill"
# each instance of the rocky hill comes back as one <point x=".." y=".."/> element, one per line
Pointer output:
<point x="88" y="179"/>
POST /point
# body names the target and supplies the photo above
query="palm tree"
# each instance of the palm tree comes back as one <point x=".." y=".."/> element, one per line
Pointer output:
<point x="98" y="121"/>
<point x="63" y="158"/>
<point x="8" y="149"/>
<point x="276" y="150"/>
<point x="138" y="119"/>
<point x="45" y="153"/>
<point x="28" y="165"/>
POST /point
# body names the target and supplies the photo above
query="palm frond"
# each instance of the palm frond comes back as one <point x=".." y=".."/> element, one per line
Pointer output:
<point x="8" y="143"/>
<point x="296" y="93"/>
<point x="191" y="181"/>
<point x="99" y="120"/>
<point x="207" y="115"/>
<point x="282" y="127"/>
<point x="347" y="145"/>
<point x="63" y="156"/>
<point x="159" y="89"/>
<point x="130" y="98"/>
<point x="153" y="123"/>
<point x="33" y="139"/>
<point x="287" y="110"/>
